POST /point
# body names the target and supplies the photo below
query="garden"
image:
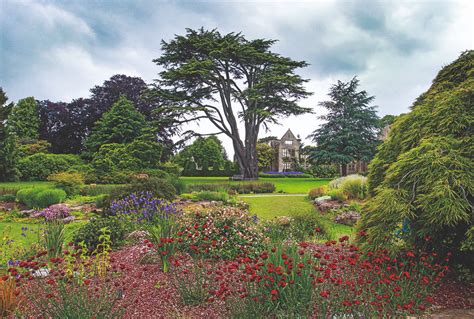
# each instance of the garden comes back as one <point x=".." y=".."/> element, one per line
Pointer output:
<point x="103" y="214"/>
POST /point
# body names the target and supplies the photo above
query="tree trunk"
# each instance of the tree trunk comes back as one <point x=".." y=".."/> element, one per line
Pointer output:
<point x="247" y="160"/>
<point x="344" y="169"/>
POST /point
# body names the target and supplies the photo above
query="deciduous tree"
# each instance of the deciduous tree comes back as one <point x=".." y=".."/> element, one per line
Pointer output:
<point x="8" y="151"/>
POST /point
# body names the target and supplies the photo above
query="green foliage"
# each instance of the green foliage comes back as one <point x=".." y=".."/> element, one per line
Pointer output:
<point x="37" y="197"/>
<point x="245" y="77"/>
<point x="115" y="163"/>
<point x="53" y="238"/>
<point x="422" y="179"/>
<point x="298" y="228"/>
<point x="23" y="120"/>
<point x="121" y="124"/>
<point x="208" y="149"/>
<point x="212" y="196"/>
<point x="285" y="175"/>
<point x="7" y="198"/>
<point x="353" y="186"/>
<point x="324" y="171"/>
<point x="265" y="155"/>
<point x="240" y="188"/>
<point x="317" y="192"/>
<point x="159" y="187"/>
<point x="8" y="151"/>
<point x="33" y="147"/>
<point x="90" y="232"/>
<point x="351" y="128"/>
<point x="40" y="165"/>
<point x="71" y="183"/>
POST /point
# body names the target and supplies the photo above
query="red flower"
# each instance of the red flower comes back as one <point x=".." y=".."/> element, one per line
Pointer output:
<point x="410" y="254"/>
<point x="274" y="292"/>
<point x="324" y="294"/>
<point x="87" y="282"/>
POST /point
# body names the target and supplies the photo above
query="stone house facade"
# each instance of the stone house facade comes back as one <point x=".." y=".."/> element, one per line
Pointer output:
<point x="287" y="152"/>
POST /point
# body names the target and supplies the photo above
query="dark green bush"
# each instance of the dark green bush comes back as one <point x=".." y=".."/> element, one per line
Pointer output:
<point x="27" y="195"/>
<point x="7" y="198"/>
<point x="89" y="233"/>
<point x="160" y="187"/>
<point x="40" y="165"/>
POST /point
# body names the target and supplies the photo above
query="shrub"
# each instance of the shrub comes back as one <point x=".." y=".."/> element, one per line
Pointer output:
<point x="212" y="196"/>
<point x="71" y="183"/>
<point x="223" y="232"/>
<point x="422" y="177"/>
<point x="7" y="198"/>
<point x="94" y="190"/>
<point x="49" y="197"/>
<point x="354" y="186"/>
<point x="40" y="165"/>
<point x="317" y="192"/>
<point x="241" y="188"/>
<point x="87" y="172"/>
<point x="337" y="194"/>
<point x="159" y="187"/>
<point x="89" y="233"/>
<point x="171" y="168"/>
<point x="285" y="174"/>
<point x="37" y="197"/>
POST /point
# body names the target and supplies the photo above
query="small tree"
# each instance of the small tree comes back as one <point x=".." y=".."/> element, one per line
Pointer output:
<point x="23" y="120"/>
<point x="8" y="151"/>
<point x="122" y="124"/>
<point x="351" y="128"/>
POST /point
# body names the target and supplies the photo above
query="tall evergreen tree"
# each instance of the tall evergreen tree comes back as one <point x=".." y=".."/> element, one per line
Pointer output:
<point x="122" y="124"/>
<point x="351" y="128"/>
<point x="8" y="151"/>
<point x="24" y="120"/>
<point x="227" y="79"/>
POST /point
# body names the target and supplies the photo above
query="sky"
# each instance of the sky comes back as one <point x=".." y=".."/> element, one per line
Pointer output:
<point x="58" y="50"/>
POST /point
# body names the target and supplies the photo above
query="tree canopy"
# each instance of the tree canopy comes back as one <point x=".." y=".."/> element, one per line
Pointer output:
<point x="23" y="120"/>
<point x="202" y="150"/>
<point x="351" y="127"/>
<point x="266" y="155"/>
<point x="8" y="151"/>
<point x="228" y="79"/>
<point x="122" y="124"/>
<point x="422" y="178"/>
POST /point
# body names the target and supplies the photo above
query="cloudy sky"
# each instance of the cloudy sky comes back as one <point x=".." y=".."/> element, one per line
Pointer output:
<point x="58" y="50"/>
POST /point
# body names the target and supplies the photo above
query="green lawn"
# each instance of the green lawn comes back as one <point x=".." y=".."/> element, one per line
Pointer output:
<point x="273" y="206"/>
<point x="270" y="207"/>
<point x="20" y="185"/>
<point x="287" y="185"/>
<point x="13" y="230"/>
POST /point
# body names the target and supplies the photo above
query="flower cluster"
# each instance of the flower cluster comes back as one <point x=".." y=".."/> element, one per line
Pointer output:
<point x="349" y="217"/>
<point x="143" y="207"/>
<point x="221" y="231"/>
<point x="55" y="212"/>
<point x="334" y="280"/>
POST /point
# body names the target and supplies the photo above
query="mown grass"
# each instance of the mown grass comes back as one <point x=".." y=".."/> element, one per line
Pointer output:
<point x="286" y="185"/>
<point x="273" y="206"/>
<point x="13" y="230"/>
<point x="20" y="185"/>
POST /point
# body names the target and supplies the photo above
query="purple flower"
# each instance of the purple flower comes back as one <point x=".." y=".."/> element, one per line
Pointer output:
<point x="55" y="212"/>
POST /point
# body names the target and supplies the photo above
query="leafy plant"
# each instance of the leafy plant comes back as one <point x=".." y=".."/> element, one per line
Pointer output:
<point x="90" y="232"/>
<point x="71" y="183"/>
<point x="53" y="238"/>
<point x="37" y="197"/>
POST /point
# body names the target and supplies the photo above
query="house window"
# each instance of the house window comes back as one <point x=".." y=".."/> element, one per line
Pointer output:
<point x="286" y="153"/>
<point x="289" y="142"/>
<point x="287" y="166"/>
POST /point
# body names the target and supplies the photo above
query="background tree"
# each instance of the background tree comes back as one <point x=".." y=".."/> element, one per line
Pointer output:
<point x="208" y="149"/>
<point x="265" y="155"/>
<point x="23" y="119"/>
<point x="351" y="128"/>
<point x="8" y="152"/>
<point x="226" y="79"/>
<point x="423" y="175"/>
<point x="122" y="124"/>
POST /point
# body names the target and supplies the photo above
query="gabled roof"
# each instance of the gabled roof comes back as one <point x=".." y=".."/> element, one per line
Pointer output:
<point x="289" y="136"/>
